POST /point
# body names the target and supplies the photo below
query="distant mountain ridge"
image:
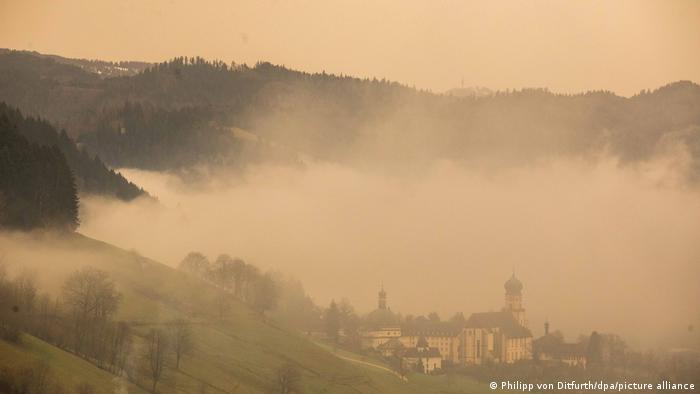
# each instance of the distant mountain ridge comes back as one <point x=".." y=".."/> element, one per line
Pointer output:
<point x="102" y="68"/>
<point x="333" y="117"/>
<point x="472" y="91"/>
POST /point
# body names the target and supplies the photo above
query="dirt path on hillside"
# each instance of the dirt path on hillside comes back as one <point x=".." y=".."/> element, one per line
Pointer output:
<point x="383" y="368"/>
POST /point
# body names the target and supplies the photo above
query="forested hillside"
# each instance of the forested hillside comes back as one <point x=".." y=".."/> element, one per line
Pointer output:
<point x="339" y="118"/>
<point x="142" y="136"/>
<point x="37" y="188"/>
<point x="91" y="174"/>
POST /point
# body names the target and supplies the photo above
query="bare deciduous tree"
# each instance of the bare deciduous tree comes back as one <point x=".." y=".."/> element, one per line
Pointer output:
<point x="156" y="351"/>
<point x="332" y="322"/>
<point x="239" y="269"/>
<point x="181" y="340"/>
<point x="265" y="293"/>
<point x="43" y="323"/>
<point x="222" y="271"/>
<point x="288" y="380"/>
<point x="92" y="299"/>
<point x="119" y="346"/>
<point x="250" y="276"/>
<point x="25" y="286"/>
<point x="195" y="263"/>
<point x="25" y="290"/>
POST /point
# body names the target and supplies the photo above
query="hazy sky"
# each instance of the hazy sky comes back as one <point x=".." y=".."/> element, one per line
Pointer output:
<point x="567" y="46"/>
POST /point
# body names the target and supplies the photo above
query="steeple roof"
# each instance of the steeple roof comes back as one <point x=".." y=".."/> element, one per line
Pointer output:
<point x="513" y="285"/>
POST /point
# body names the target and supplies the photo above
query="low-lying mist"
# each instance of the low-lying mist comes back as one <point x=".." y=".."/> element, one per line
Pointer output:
<point x="597" y="246"/>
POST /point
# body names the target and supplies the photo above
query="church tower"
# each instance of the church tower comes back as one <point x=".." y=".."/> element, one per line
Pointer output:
<point x="514" y="300"/>
<point x="382" y="298"/>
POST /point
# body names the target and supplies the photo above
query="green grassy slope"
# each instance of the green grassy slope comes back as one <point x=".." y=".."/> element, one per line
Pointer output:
<point x="237" y="354"/>
<point x="65" y="368"/>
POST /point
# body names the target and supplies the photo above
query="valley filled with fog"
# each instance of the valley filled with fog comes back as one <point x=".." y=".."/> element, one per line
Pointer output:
<point x="597" y="245"/>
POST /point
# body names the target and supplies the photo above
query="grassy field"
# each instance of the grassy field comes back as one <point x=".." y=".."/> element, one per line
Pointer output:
<point x="65" y="368"/>
<point x="237" y="354"/>
<point x="415" y="382"/>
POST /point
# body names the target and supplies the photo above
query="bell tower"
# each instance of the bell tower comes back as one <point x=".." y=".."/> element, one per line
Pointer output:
<point x="382" y="298"/>
<point x="514" y="299"/>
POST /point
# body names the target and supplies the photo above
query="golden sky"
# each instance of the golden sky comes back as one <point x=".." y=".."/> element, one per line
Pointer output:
<point x="568" y="46"/>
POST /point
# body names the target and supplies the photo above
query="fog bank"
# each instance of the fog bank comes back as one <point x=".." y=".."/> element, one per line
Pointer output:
<point x="598" y="247"/>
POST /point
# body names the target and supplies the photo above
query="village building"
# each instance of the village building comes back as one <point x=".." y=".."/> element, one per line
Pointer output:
<point x="382" y="325"/>
<point x="551" y="348"/>
<point x="392" y="348"/>
<point x="374" y="337"/>
<point x="444" y="336"/>
<point x="422" y="356"/>
<point x="500" y="337"/>
<point x="495" y="337"/>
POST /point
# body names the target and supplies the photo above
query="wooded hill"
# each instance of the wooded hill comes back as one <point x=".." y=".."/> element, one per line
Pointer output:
<point x="341" y="118"/>
<point x="90" y="173"/>
<point x="37" y="188"/>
